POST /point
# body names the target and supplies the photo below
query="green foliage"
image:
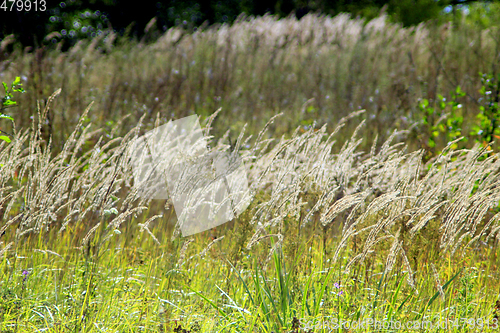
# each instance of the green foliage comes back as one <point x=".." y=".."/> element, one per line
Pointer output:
<point x="8" y="101"/>
<point x="16" y="86"/>
<point x="465" y="294"/>
<point x="443" y="121"/>
<point x="488" y="118"/>
<point x="412" y="12"/>
<point x="483" y="14"/>
<point x="72" y="21"/>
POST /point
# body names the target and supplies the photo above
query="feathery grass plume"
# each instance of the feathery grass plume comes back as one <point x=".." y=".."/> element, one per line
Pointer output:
<point x="210" y="120"/>
<point x="421" y="221"/>
<point x="493" y="225"/>
<point x="258" y="142"/>
<point x="330" y="213"/>
<point x="275" y="247"/>
<point x="319" y="203"/>
<point x="145" y="226"/>
<point x="410" y="278"/>
<point x="48" y="251"/>
<point x="152" y="235"/>
<point x="86" y="239"/>
<point x="6" y="248"/>
<point x="393" y="253"/>
<point x="439" y="286"/>
<point x="209" y="246"/>
<point x="182" y="253"/>
<point x="256" y="239"/>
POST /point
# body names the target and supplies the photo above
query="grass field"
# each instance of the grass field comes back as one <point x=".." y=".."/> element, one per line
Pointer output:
<point x="356" y="223"/>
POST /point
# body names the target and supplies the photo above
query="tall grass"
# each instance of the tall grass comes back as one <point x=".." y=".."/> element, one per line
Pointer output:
<point x="356" y="209"/>
<point x="317" y="68"/>
<point x="347" y="221"/>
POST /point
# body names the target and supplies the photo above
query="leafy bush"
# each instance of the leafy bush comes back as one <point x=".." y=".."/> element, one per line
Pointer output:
<point x="488" y="127"/>
<point x="443" y="122"/>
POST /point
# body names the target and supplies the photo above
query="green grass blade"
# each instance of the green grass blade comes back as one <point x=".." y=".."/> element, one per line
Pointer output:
<point x="209" y="302"/>
<point x="433" y="298"/>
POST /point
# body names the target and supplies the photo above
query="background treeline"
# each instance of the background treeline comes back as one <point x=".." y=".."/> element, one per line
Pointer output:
<point x="75" y="19"/>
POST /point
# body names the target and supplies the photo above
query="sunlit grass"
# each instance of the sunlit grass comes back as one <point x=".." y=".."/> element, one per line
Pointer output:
<point x="128" y="290"/>
<point x="341" y="227"/>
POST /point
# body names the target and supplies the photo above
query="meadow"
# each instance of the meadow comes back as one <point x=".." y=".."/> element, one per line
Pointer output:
<point x="369" y="212"/>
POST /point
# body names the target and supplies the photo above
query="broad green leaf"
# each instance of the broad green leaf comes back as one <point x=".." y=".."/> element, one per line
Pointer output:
<point x="4" y="138"/>
<point x="5" y="87"/>
<point x="9" y="102"/>
<point x="16" y="81"/>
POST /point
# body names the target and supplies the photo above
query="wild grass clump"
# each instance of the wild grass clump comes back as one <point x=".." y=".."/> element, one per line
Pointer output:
<point x="350" y="218"/>
<point x="329" y="224"/>
<point x="318" y="68"/>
